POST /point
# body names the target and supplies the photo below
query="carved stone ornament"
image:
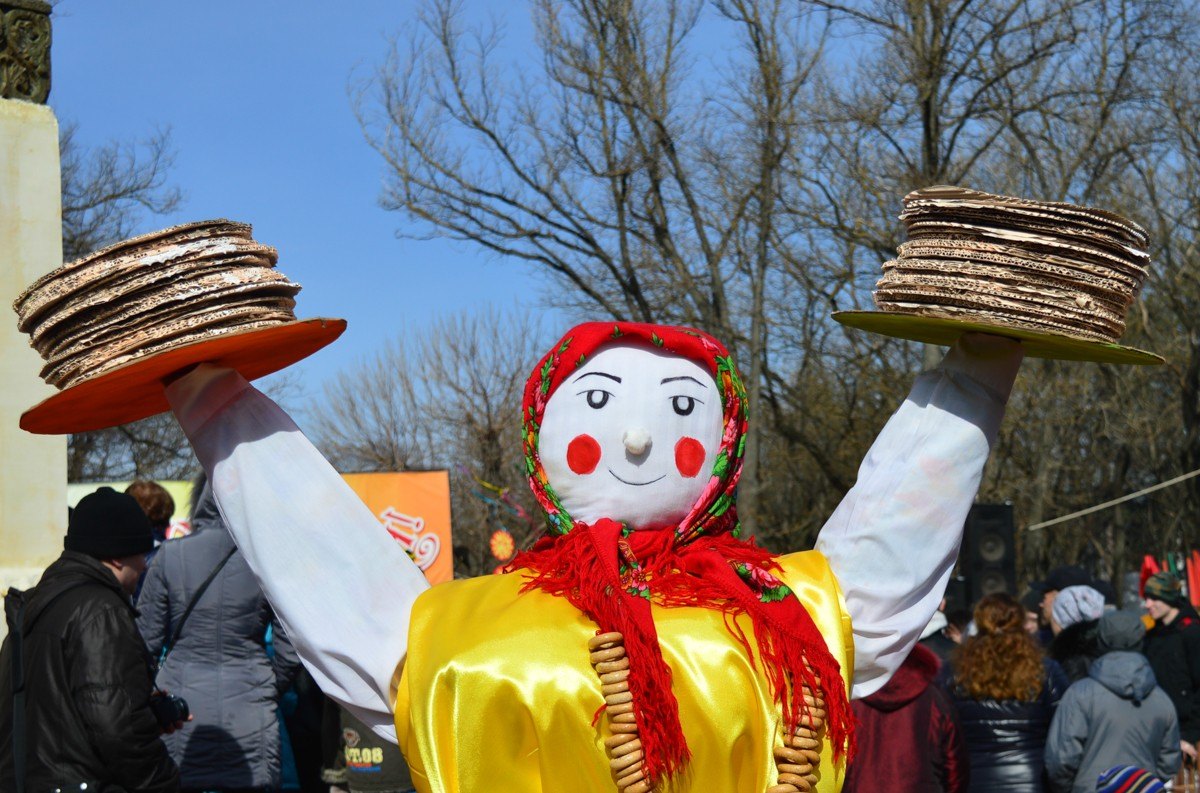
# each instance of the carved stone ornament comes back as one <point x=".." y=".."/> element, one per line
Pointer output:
<point x="25" y="50"/>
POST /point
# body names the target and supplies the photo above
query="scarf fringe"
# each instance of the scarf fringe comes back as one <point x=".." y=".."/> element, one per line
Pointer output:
<point x="582" y="567"/>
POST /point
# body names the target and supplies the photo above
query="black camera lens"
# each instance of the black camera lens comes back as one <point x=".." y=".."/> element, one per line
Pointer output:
<point x="168" y="710"/>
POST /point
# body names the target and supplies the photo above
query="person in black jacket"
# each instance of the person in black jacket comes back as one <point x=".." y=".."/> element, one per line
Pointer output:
<point x="1074" y="620"/>
<point x="87" y="716"/>
<point x="1173" y="649"/>
<point x="1006" y="692"/>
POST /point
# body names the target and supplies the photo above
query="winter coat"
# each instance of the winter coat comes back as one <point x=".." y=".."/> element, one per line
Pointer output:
<point x="909" y="739"/>
<point x="1075" y="648"/>
<point x="1115" y="716"/>
<point x="88" y="682"/>
<point x="220" y="663"/>
<point x="1006" y="739"/>
<point x="1174" y="654"/>
<point x="934" y="638"/>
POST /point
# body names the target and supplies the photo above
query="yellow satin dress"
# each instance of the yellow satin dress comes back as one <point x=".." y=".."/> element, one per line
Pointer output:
<point x="497" y="693"/>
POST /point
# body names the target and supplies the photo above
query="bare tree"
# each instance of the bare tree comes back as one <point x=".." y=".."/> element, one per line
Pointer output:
<point x="448" y="396"/>
<point x="109" y="189"/>
<point x="106" y="193"/>
<point x="646" y="201"/>
<point x="754" y="191"/>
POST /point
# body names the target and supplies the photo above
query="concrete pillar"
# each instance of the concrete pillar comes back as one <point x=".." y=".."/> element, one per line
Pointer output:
<point x="33" y="468"/>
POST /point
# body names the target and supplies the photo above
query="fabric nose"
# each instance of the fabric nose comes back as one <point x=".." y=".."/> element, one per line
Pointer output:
<point x="636" y="440"/>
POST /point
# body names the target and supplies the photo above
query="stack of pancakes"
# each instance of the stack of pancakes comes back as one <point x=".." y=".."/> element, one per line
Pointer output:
<point x="149" y="293"/>
<point x="1034" y="265"/>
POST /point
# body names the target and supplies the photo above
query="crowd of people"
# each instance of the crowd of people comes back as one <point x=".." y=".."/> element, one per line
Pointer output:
<point x="1058" y="691"/>
<point x="139" y="664"/>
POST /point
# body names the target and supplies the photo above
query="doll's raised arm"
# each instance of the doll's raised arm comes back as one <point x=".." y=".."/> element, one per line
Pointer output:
<point x="893" y="540"/>
<point x="341" y="586"/>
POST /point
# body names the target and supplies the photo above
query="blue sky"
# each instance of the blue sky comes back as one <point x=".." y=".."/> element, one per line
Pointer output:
<point x="256" y="97"/>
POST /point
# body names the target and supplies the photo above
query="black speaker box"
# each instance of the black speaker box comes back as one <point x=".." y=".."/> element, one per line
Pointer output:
<point x="989" y="557"/>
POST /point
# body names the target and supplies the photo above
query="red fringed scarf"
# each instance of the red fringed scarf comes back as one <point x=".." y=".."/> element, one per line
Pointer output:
<point x="611" y="573"/>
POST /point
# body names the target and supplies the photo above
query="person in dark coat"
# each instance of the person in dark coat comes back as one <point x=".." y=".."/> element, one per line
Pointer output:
<point x="1173" y="650"/>
<point x="373" y="764"/>
<point x="909" y="739"/>
<point x="945" y="632"/>
<point x="88" y="680"/>
<point x="1115" y="715"/>
<point x="1006" y="693"/>
<point x="1046" y="591"/>
<point x="1075" y="620"/>
<point x="219" y="663"/>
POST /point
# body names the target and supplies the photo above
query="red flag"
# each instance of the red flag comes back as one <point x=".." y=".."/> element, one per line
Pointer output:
<point x="1193" y="577"/>
<point x="1149" y="568"/>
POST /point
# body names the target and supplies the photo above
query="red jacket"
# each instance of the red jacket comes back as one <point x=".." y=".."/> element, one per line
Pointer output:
<point x="909" y="740"/>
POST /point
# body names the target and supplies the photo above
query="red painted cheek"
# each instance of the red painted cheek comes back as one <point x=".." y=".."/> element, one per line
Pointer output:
<point x="583" y="454"/>
<point x="689" y="456"/>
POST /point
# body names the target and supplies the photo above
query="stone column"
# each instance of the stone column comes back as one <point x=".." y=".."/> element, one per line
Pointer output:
<point x="33" y="468"/>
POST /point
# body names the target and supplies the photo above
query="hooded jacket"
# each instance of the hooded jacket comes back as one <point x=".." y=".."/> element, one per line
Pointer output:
<point x="88" y="682"/>
<point x="220" y="663"/>
<point x="909" y="738"/>
<point x="1115" y="716"/>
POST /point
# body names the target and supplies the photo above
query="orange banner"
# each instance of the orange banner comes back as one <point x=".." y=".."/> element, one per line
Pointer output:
<point x="414" y="507"/>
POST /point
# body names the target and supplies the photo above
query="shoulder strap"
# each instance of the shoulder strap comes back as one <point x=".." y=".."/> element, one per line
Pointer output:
<point x="192" y="603"/>
<point x="17" y="666"/>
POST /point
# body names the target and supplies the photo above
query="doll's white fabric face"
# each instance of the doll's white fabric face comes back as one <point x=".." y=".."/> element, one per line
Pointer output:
<point x="632" y="435"/>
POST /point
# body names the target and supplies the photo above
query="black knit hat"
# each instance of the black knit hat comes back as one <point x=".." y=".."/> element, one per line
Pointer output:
<point x="1062" y="577"/>
<point x="108" y="525"/>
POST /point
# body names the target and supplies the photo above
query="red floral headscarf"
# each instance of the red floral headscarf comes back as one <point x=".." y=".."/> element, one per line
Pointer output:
<point x="612" y="573"/>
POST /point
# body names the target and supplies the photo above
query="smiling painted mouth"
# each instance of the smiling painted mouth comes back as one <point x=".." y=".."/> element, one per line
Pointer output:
<point x="635" y="484"/>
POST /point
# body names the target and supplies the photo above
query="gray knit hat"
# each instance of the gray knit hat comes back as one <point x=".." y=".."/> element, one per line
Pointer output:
<point x="1077" y="604"/>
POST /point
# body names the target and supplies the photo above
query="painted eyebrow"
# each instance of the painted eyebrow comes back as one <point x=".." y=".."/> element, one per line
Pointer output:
<point x="666" y="380"/>
<point x="598" y="374"/>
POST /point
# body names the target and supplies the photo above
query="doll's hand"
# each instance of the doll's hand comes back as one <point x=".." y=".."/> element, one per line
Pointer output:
<point x="196" y="394"/>
<point x="990" y="347"/>
<point x="990" y="360"/>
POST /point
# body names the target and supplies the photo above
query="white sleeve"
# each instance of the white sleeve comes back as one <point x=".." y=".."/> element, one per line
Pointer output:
<point x="341" y="586"/>
<point x="893" y="540"/>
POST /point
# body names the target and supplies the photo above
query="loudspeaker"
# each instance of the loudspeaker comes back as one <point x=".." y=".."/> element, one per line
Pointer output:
<point x="989" y="561"/>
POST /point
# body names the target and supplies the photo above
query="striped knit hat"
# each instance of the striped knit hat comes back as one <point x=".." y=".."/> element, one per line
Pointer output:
<point x="1128" y="779"/>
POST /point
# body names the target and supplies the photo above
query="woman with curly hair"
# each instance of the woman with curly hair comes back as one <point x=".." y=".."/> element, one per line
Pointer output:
<point x="1006" y="692"/>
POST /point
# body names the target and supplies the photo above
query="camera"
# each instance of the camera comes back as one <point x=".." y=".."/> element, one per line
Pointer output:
<point x="168" y="710"/>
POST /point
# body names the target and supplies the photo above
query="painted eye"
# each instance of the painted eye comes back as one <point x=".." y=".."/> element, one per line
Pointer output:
<point x="684" y="405"/>
<point x="597" y="398"/>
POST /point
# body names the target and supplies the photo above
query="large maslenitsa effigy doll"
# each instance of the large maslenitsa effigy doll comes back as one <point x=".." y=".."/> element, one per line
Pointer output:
<point x="641" y="644"/>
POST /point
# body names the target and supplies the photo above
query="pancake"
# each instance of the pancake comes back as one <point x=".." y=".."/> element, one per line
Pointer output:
<point x="1036" y="265"/>
<point x="152" y="293"/>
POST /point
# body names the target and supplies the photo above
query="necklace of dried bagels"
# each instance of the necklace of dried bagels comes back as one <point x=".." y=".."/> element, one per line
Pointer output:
<point x="797" y="760"/>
